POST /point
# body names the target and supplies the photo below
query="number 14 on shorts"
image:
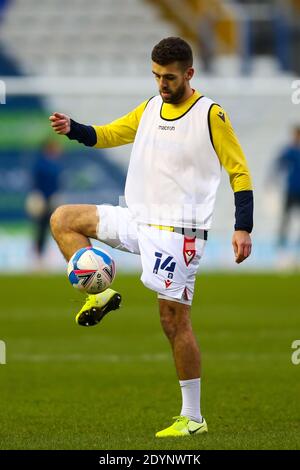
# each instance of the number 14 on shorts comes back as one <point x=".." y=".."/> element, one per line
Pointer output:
<point x="165" y="265"/>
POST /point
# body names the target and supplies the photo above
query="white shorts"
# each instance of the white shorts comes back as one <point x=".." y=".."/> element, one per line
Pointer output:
<point x="170" y="260"/>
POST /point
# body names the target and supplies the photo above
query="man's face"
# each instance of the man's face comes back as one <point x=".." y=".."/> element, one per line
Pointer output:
<point x="53" y="150"/>
<point x="172" y="80"/>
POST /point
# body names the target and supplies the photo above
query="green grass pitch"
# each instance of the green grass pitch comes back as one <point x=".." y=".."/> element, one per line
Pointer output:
<point x="114" y="385"/>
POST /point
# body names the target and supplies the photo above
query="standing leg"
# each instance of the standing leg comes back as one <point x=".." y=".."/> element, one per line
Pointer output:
<point x="285" y="221"/>
<point x="176" y="323"/>
<point x="42" y="227"/>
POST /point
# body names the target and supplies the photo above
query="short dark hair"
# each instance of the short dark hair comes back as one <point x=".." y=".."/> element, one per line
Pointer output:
<point x="172" y="49"/>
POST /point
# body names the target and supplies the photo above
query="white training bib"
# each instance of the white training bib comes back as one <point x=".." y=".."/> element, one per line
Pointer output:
<point x="174" y="172"/>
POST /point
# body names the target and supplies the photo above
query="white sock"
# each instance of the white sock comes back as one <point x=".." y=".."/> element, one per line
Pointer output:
<point x="190" y="390"/>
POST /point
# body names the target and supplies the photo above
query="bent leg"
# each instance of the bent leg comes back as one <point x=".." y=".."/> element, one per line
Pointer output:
<point x="72" y="225"/>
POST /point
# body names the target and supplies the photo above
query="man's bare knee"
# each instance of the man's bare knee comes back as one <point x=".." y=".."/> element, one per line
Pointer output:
<point x="81" y="218"/>
<point x="59" y="220"/>
<point x="174" y="317"/>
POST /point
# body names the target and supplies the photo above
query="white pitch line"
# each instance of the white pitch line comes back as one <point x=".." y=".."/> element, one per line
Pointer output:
<point x="106" y="358"/>
<point x="140" y="358"/>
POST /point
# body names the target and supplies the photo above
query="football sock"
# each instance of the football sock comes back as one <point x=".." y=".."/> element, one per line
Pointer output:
<point x="190" y="390"/>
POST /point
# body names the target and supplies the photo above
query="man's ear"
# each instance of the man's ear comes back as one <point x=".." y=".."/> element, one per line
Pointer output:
<point x="189" y="73"/>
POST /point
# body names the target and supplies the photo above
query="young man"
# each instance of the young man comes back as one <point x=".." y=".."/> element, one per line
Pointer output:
<point x="181" y="140"/>
<point x="46" y="181"/>
<point x="288" y="164"/>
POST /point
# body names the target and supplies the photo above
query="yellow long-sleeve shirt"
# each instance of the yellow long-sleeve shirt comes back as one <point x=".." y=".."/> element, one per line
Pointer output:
<point x="227" y="147"/>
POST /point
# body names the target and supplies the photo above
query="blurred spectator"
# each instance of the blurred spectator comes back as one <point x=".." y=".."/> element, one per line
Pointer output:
<point x="216" y="30"/>
<point x="3" y="4"/>
<point x="289" y="164"/>
<point x="287" y="34"/>
<point x="283" y="34"/>
<point x="206" y="33"/>
<point x="271" y="28"/>
<point x="296" y="36"/>
<point x="41" y="201"/>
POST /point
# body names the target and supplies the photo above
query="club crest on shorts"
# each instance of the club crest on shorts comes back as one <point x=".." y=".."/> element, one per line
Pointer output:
<point x="189" y="249"/>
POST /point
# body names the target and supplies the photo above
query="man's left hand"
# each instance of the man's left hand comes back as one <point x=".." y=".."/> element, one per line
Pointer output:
<point x="242" y="244"/>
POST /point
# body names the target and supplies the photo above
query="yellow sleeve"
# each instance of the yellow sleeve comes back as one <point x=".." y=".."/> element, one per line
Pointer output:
<point x="229" y="150"/>
<point x="121" y="131"/>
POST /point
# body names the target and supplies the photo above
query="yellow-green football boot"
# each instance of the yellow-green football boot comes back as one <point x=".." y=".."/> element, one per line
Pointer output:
<point x="183" y="426"/>
<point x="97" y="306"/>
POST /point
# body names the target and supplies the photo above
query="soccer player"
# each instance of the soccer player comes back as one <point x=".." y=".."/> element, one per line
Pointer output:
<point x="288" y="164"/>
<point x="46" y="181"/>
<point x="181" y="141"/>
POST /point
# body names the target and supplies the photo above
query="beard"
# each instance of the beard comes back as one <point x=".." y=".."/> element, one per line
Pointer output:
<point x="175" y="96"/>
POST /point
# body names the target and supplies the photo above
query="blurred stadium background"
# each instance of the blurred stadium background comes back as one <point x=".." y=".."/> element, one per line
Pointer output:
<point x="65" y="387"/>
<point x="91" y="59"/>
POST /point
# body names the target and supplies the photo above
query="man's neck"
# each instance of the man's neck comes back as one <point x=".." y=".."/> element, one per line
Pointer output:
<point x="189" y="92"/>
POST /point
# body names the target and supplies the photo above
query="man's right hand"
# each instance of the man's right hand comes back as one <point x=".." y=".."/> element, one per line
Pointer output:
<point x="60" y="123"/>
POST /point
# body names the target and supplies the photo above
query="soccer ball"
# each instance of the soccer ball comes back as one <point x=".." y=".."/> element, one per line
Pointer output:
<point x="91" y="270"/>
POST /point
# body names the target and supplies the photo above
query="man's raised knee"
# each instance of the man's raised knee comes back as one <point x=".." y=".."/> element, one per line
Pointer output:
<point x="59" y="219"/>
<point x="79" y="218"/>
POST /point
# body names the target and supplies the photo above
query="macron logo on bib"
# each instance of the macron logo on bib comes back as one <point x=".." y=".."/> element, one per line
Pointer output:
<point x="166" y="128"/>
